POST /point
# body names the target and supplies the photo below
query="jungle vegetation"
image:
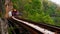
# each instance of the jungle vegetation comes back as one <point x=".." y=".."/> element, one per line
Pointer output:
<point x="40" y="11"/>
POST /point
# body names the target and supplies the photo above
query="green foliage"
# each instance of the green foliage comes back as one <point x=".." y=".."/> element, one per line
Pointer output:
<point x="53" y="10"/>
<point x="38" y="10"/>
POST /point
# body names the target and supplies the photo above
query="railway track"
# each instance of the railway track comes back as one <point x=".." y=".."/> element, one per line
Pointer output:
<point x="16" y="29"/>
<point x="11" y="27"/>
<point x="21" y="28"/>
<point x="54" y="29"/>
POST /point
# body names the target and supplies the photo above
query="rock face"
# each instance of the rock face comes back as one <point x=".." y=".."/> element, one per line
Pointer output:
<point x="3" y="26"/>
<point x="8" y="7"/>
